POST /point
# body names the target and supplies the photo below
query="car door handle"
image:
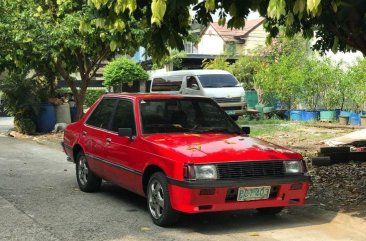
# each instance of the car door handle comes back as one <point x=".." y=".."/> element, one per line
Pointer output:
<point x="108" y="140"/>
<point x="83" y="133"/>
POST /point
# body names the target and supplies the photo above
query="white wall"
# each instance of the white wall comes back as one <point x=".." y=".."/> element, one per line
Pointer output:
<point x="211" y="43"/>
<point x="254" y="39"/>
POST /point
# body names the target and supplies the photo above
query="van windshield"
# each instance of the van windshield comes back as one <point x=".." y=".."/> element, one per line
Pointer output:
<point x="195" y="115"/>
<point x="218" y="80"/>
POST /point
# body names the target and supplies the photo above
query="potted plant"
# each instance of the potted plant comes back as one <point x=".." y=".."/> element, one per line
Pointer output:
<point x="363" y="120"/>
<point x="343" y="119"/>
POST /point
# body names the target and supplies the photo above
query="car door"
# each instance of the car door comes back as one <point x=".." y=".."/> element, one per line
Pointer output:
<point x="123" y="153"/>
<point x="94" y="134"/>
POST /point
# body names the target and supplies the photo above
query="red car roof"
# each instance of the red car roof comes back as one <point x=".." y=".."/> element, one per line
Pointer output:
<point x="139" y="96"/>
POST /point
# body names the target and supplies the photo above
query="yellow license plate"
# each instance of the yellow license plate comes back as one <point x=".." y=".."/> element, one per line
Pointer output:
<point x="253" y="193"/>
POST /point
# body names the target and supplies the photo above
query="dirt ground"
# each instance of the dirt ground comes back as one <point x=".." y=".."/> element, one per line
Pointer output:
<point x="340" y="187"/>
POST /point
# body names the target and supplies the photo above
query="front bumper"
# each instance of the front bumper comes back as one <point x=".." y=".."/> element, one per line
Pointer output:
<point x="197" y="197"/>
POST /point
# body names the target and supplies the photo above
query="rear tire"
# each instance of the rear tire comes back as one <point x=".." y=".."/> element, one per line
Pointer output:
<point x="158" y="201"/>
<point x="88" y="181"/>
<point x="269" y="211"/>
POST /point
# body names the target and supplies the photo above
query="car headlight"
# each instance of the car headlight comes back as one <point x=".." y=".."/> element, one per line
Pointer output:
<point x="200" y="172"/>
<point x="292" y="167"/>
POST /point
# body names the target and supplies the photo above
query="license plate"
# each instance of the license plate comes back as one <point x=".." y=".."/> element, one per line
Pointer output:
<point x="253" y="193"/>
<point x="230" y="112"/>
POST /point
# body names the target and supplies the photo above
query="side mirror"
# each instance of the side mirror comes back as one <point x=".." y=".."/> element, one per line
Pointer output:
<point x="125" y="132"/>
<point x="246" y="129"/>
<point x="195" y="87"/>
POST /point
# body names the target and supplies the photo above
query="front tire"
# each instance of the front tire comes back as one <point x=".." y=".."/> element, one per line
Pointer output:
<point x="88" y="182"/>
<point x="269" y="211"/>
<point x="158" y="201"/>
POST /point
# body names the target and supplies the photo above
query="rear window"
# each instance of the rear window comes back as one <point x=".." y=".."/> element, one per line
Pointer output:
<point x="218" y="80"/>
<point x="160" y="84"/>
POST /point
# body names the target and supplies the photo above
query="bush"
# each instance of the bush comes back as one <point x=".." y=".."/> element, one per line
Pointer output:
<point x="121" y="71"/>
<point x="91" y="96"/>
<point x="25" y="126"/>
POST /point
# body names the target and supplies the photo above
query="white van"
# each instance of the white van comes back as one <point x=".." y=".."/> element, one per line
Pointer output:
<point x="219" y="85"/>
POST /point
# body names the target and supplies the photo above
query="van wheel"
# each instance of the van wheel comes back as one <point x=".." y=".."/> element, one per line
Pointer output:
<point x="158" y="201"/>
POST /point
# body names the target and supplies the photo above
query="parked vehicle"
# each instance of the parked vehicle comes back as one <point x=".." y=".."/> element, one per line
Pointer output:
<point x="219" y="85"/>
<point x="185" y="154"/>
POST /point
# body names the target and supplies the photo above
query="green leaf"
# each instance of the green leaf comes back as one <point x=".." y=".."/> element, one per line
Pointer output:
<point x="312" y="6"/>
<point x="210" y="5"/>
<point x="334" y="6"/>
<point x="119" y="25"/>
<point x="113" y="45"/>
<point x="289" y="19"/>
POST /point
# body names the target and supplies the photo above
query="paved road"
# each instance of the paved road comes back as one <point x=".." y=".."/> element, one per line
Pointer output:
<point x="6" y="123"/>
<point x="40" y="200"/>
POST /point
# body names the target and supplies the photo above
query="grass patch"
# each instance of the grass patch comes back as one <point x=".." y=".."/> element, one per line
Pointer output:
<point x="247" y="120"/>
<point x="271" y="130"/>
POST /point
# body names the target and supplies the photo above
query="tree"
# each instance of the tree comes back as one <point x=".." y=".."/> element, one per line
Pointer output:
<point x="123" y="70"/>
<point x="338" y="24"/>
<point x="357" y="74"/>
<point x="56" y="38"/>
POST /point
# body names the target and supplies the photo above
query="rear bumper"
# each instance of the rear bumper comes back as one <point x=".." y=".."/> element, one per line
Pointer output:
<point x="190" y="197"/>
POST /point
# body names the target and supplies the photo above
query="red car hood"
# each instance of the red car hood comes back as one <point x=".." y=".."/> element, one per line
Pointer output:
<point x="208" y="148"/>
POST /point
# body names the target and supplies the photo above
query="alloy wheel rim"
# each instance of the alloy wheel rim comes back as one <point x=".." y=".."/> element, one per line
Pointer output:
<point x="83" y="171"/>
<point x="156" y="199"/>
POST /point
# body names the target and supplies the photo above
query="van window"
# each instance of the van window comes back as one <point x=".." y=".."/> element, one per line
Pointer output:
<point x="161" y="84"/>
<point x="218" y="80"/>
<point x="192" y="83"/>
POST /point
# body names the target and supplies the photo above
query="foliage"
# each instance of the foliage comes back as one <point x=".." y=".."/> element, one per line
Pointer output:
<point x="282" y="78"/>
<point x="357" y="74"/>
<point x="25" y="125"/>
<point x="245" y="68"/>
<point x="92" y="95"/>
<point x="217" y="63"/>
<point x="339" y="25"/>
<point x="123" y="70"/>
<point x="66" y="37"/>
<point x="20" y="94"/>
<point x="174" y="58"/>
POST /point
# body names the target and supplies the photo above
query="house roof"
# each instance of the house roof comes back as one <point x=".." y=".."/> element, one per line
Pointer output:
<point x="228" y="34"/>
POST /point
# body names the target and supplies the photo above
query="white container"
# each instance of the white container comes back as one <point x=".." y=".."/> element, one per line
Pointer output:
<point x="63" y="114"/>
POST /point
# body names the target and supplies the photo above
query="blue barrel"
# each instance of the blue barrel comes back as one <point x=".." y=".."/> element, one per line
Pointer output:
<point x="338" y="113"/>
<point x="46" y="118"/>
<point x="345" y="113"/>
<point x="310" y="116"/>
<point x="296" y="115"/>
<point x="73" y="112"/>
<point x="354" y="119"/>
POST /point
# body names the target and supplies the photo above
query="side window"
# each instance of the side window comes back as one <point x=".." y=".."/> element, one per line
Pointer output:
<point x="192" y="83"/>
<point x="102" y="114"/>
<point x="124" y="116"/>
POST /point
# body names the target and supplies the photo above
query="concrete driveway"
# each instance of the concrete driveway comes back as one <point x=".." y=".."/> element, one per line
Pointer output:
<point x="40" y="200"/>
<point x="6" y="123"/>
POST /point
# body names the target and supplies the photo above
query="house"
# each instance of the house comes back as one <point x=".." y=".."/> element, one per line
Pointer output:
<point x="216" y="39"/>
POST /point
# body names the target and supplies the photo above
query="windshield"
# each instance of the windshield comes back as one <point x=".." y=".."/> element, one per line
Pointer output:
<point x="184" y="115"/>
<point x="218" y="80"/>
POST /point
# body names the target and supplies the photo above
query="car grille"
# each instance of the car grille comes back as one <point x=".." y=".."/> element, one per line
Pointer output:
<point x="241" y="170"/>
<point x="227" y="100"/>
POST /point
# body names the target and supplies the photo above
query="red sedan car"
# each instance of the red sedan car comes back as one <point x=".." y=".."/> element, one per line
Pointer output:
<point x="185" y="154"/>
